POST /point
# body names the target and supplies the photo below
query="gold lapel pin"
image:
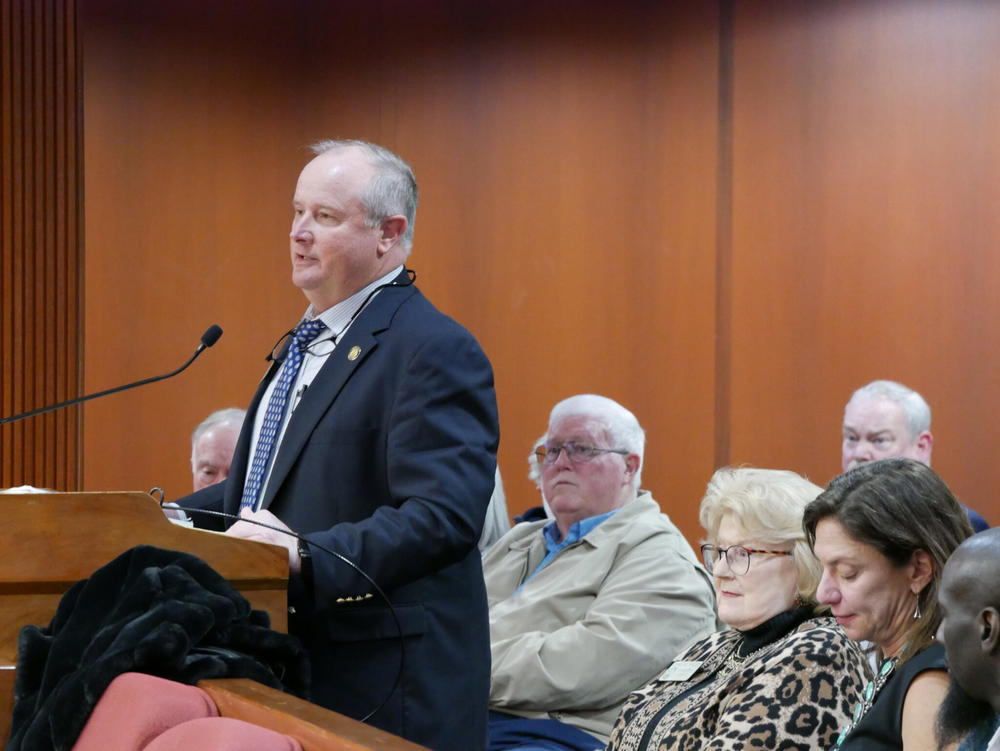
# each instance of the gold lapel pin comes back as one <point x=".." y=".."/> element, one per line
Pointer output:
<point x="354" y="353"/>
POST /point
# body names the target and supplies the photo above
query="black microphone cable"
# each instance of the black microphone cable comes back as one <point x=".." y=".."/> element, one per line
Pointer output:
<point x="278" y="351"/>
<point x="382" y="595"/>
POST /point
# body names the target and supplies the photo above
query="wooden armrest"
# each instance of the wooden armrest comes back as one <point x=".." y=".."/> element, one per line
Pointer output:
<point x="316" y="728"/>
<point x="7" y="674"/>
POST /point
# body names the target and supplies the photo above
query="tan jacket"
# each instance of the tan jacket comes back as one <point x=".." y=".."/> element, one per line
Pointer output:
<point x="601" y="619"/>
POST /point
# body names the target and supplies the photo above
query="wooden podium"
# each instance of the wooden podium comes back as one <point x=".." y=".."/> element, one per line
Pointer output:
<point x="48" y="542"/>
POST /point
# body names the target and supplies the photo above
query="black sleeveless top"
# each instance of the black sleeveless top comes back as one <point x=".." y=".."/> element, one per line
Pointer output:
<point x="881" y="729"/>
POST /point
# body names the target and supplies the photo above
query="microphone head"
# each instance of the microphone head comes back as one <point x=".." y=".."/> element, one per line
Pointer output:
<point x="211" y="336"/>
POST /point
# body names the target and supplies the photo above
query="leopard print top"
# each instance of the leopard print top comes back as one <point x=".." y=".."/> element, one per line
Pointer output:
<point x="795" y="693"/>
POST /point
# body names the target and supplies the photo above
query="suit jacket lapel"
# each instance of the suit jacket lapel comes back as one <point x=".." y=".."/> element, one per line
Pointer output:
<point x="336" y="371"/>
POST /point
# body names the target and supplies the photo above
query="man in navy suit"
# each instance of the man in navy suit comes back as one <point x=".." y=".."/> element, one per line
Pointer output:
<point x="384" y="453"/>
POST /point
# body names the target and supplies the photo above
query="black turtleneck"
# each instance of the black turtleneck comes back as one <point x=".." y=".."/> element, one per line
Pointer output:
<point x="773" y="629"/>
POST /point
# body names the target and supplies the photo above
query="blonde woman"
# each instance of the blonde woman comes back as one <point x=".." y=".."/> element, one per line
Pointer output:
<point x="782" y="676"/>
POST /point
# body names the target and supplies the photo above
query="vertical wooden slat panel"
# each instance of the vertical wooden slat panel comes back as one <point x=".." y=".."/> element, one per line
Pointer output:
<point x="6" y="212"/>
<point x="40" y="233"/>
<point x="723" y="237"/>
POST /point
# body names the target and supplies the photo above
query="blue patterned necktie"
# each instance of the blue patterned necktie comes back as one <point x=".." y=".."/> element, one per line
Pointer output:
<point x="276" y="405"/>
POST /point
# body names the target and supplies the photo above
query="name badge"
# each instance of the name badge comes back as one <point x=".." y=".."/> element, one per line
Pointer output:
<point x="680" y="670"/>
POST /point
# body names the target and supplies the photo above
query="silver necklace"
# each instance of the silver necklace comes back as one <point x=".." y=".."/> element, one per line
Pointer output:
<point x="733" y="660"/>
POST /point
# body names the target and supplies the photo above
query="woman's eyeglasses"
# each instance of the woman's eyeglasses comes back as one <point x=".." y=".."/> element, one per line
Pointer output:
<point x="737" y="557"/>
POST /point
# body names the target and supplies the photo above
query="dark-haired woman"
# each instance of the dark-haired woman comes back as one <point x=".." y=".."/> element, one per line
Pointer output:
<point x="883" y="532"/>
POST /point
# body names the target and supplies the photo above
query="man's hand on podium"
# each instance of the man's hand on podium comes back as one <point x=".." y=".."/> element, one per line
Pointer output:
<point x="249" y="531"/>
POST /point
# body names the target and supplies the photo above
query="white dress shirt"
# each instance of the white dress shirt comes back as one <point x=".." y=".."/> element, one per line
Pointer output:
<point x="994" y="742"/>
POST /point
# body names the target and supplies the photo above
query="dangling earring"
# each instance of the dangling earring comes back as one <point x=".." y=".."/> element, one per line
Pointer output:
<point x="917" y="615"/>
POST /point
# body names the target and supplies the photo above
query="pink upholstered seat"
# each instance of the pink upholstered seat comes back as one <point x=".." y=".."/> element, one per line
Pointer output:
<point x="141" y="712"/>
<point x="221" y="734"/>
<point x="136" y="708"/>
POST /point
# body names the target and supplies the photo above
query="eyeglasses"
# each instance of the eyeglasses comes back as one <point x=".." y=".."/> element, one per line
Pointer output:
<point x="320" y="347"/>
<point x="548" y="453"/>
<point x="323" y="347"/>
<point x="737" y="557"/>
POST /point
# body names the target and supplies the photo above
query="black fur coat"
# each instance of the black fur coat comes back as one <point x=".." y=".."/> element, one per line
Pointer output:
<point x="152" y="611"/>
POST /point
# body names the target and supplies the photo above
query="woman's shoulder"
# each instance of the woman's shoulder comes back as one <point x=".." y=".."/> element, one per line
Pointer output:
<point x="823" y="642"/>
<point x="708" y="645"/>
<point x="817" y="636"/>
<point x="819" y="628"/>
<point x="929" y="664"/>
<point x="930" y="657"/>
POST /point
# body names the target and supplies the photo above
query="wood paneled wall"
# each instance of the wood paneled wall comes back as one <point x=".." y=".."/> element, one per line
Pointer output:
<point x="40" y="234"/>
<point x="865" y="231"/>
<point x="567" y="215"/>
<point x="726" y="216"/>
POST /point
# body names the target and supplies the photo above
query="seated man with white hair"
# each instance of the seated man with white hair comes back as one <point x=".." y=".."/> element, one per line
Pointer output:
<point x="213" y="443"/>
<point x="541" y="511"/>
<point x="212" y="446"/>
<point x="589" y="606"/>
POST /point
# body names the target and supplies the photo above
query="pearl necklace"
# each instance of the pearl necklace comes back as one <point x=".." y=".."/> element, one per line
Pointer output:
<point x="867" y="699"/>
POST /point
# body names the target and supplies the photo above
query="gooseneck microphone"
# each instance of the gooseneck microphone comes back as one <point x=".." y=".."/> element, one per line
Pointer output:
<point x="210" y="337"/>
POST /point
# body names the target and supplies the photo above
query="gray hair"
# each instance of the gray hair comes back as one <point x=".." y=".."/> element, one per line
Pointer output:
<point x="534" y="466"/>
<point x="535" y="473"/>
<point x="915" y="408"/>
<point x="768" y="504"/>
<point x="623" y="428"/>
<point x="497" y="522"/>
<point x="231" y="416"/>
<point x="392" y="190"/>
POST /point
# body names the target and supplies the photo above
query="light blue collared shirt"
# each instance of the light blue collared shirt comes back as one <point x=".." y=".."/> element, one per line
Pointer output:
<point x="576" y="532"/>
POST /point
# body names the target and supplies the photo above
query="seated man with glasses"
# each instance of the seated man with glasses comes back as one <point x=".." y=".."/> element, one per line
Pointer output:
<point x="585" y="608"/>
